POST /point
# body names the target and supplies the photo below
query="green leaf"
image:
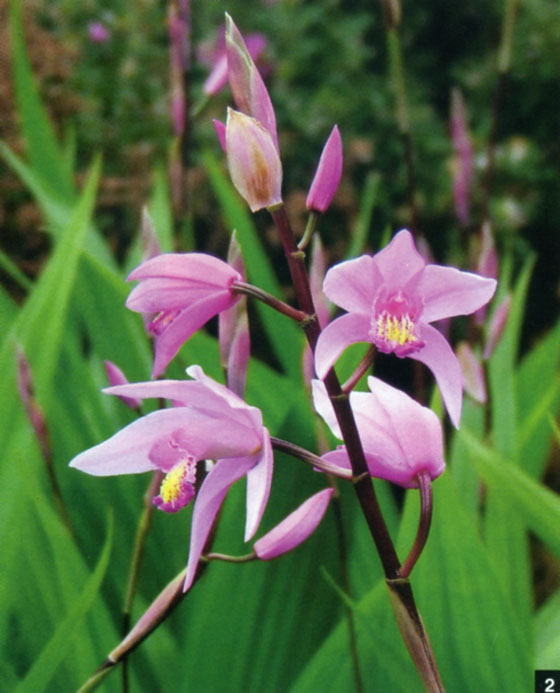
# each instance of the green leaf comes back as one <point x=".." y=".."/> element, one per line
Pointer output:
<point x="44" y="667"/>
<point x="459" y="594"/>
<point x="44" y="152"/>
<point x="363" y="224"/>
<point x="524" y="497"/>
<point x="40" y="324"/>
<point x="547" y="634"/>
<point x="538" y="396"/>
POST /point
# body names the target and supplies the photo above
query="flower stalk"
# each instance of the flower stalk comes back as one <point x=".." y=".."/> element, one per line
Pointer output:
<point x="408" y="619"/>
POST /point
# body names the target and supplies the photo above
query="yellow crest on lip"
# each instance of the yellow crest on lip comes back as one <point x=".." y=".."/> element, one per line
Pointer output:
<point x="172" y="484"/>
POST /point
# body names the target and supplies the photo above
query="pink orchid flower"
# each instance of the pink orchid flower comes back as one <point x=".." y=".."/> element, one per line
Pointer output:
<point x="208" y="422"/>
<point x="391" y="297"/>
<point x="184" y="291"/>
<point x="400" y="437"/>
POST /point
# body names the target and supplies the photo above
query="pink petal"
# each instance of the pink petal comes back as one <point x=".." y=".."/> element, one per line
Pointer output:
<point x="352" y="285"/>
<point x="295" y="528"/>
<point x="208" y="502"/>
<point x="327" y="177"/>
<point x="259" y="479"/>
<point x="336" y="336"/>
<point x="127" y="452"/>
<point x="197" y="397"/>
<point x="416" y="429"/>
<point x="399" y="261"/>
<point x="446" y="291"/>
<point x="185" y="325"/>
<point x="324" y="408"/>
<point x="195" y="267"/>
<point x="440" y="359"/>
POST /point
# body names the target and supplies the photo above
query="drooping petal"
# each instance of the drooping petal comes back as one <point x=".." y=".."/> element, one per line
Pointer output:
<point x="352" y="284"/>
<point x="127" y="452"/>
<point x="184" y="325"/>
<point x="249" y="91"/>
<point x="327" y="177"/>
<point x="259" y="479"/>
<point x="295" y="528"/>
<point x="447" y="291"/>
<point x="208" y="502"/>
<point x="438" y="356"/>
<point x="399" y="261"/>
<point x="336" y="336"/>
<point x="253" y="161"/>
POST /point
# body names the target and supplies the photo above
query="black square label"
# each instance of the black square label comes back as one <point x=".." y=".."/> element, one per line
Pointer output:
<point x="547" y="681"/>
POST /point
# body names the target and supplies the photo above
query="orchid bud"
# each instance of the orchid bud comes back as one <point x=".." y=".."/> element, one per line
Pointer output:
<point x="295" y="528"/>
<point x="150" y="242"/>
<point x="486" y="264"/>
<point x="220" y="130"/>
<point x="233" y="330"/>
<point x="473" y="373"/>
<point x="249" y="91"/>
<point x="327" y="176"/>
<point x="253" y="161"/>
<point x="497" y="326"/>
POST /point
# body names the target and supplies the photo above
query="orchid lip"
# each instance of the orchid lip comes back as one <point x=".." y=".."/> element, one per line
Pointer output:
<point x="177" y="488"/>
<point x="393" y="325"/>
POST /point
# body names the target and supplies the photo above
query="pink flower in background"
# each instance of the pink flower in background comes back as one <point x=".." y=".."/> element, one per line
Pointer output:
<point x="400" y="437"/>
<point x="216" y="58"/>
<point x="208" y="421"/>
<point x="327" y="177"/>
<point x="295" y="528"/>
<point x="98" y="32"/>
<point x="253" y="161"/>
<point x="184" y="291"/>
<point x="463" y="168"/>
<point x="391" y="298"/>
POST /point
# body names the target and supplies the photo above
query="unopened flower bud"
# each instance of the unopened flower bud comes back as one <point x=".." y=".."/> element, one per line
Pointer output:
<point x="295" y="528"/>
<point x="327" y="176"/>
<point x="253" y="161"/>
<point x="497" y="326"/>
